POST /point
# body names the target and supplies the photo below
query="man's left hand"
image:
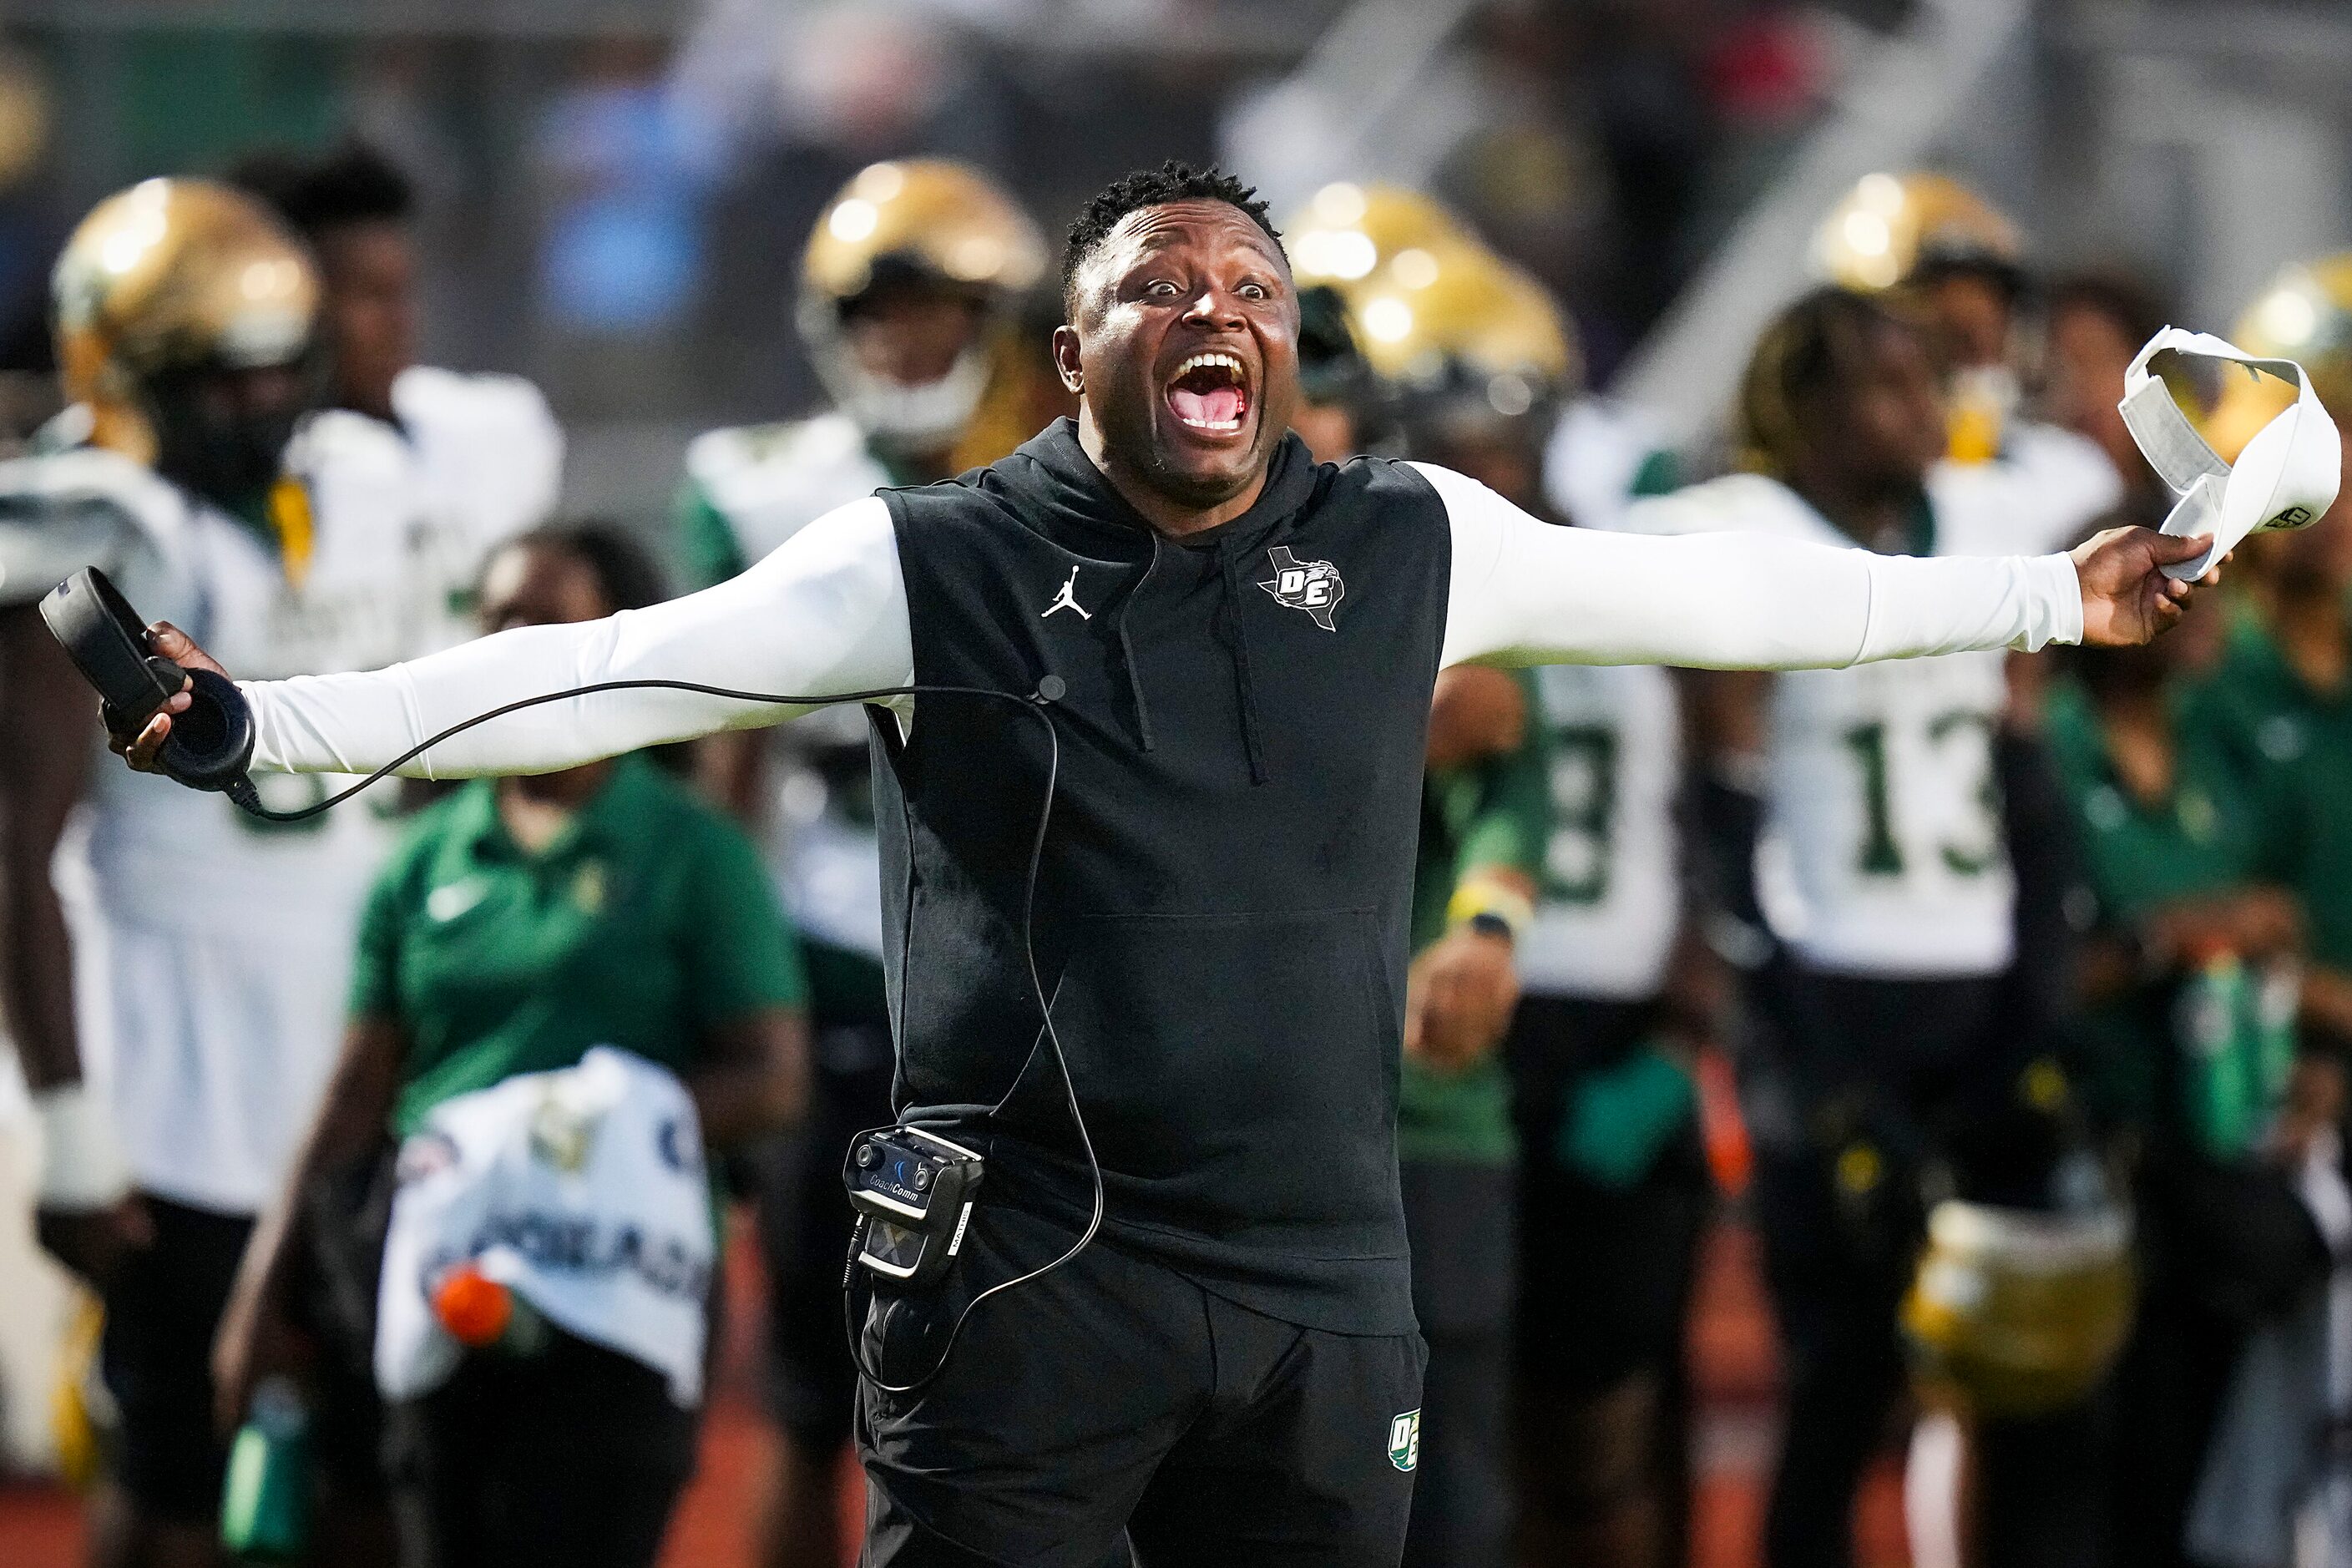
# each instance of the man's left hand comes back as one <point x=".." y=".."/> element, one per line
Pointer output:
<point x="1458" y="999"/>
<point x="2127" y="599"/>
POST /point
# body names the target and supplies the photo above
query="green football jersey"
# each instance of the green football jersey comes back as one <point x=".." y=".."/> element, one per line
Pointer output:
<point x="1492" y="814"/>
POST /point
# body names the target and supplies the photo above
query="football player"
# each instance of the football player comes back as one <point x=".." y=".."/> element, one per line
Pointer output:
<point x="175" y="1073"/>
<point x="1940" y="249"/>
<point x="1895" y="1008"/>
<point x="911" y="293"/>
<point x="486" y="454"/>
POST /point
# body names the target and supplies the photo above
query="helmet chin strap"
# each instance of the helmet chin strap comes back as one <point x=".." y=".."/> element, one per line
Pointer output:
<point x="2285" y="478"/>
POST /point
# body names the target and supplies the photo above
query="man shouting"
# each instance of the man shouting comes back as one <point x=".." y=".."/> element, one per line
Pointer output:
<point x="1230" y="1372"/>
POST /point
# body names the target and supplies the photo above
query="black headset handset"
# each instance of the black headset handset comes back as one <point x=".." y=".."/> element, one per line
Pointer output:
<point x="211" y="743"/>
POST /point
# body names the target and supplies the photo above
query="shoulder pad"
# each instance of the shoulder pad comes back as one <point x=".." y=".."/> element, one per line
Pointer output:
<point x="47" y="537"/>
<point x="430" y="394"/>
<point x="828" y="440"/>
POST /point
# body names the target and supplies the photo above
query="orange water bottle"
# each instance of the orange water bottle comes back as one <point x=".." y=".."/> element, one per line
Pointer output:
<point x="480" y="1313"/>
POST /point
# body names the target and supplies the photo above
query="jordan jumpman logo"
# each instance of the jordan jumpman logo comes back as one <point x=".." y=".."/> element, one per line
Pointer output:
<point x="1068" y="600"/>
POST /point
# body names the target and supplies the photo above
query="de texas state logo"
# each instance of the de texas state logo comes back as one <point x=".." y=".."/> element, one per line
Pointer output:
<point x="1313" y="587"/>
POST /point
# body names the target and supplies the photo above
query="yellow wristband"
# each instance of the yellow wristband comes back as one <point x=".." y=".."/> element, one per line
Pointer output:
<point x="1498" y="900"/>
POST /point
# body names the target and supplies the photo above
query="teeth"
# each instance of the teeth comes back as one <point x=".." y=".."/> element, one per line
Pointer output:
<point x="1212" y="357"/>
<point x="1217" y="359"/>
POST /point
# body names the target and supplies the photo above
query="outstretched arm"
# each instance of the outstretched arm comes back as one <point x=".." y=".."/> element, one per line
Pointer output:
<point x="1527" y="592"/>
<point x="826" y="613"/>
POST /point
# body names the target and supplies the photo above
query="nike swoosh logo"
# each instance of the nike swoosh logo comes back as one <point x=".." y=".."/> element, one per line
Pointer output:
<point x="446" y="902"/>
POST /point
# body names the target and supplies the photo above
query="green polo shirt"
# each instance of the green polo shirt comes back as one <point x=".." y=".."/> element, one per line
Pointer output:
<point x="1493" y="814"/>
<point x="2208" y="834"/>
<point x="647" y="921"/>
<point x="2295" y="746"/>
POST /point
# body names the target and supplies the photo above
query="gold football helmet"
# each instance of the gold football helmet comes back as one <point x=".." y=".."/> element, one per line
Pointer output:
<point x="2015" y="1313"/>
<point x="1432" y="308"/>
<point x="1468" y="325"/>
<point x="919" y="221"/>
<point x="173" y="276"/>
<point x="2304" y="315"/>
<point x="1891" y="227"/>
<point x="1352" y="236"/>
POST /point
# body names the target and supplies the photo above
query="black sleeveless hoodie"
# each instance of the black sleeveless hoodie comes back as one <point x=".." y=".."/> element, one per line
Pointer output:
<point x="1221" y="911"/>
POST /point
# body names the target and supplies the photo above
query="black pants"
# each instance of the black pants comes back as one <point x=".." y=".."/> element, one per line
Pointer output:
<point x="1114" y="1406"/>
<point x="570" y="1458"/>
<point x="805" y="1225"/>
<point x="1460" y="1221"/>
<point x="1606" y="1275"/>
<point x="157" y="1355"/>
<point x="1894" y="1062"/>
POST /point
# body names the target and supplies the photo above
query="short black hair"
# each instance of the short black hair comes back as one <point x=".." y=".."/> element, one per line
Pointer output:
<point x="1803" y="355"/>
<point x="351" y="183"/>
<point x="625" y="571"/>
<point x="1173" y="181"/>
<point x="2137" y="310"/>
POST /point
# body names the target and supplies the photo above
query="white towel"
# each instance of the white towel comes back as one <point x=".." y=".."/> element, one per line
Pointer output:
<point x="583" y="1191"/>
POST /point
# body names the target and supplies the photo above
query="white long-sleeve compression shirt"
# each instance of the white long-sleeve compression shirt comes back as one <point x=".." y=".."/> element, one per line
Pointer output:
<point x="827" y="614"/>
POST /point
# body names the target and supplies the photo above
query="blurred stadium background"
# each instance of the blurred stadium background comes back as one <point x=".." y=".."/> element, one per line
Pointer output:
<point x="615" y="192"/>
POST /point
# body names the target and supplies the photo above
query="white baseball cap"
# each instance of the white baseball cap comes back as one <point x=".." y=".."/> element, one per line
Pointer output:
<point x="2285" y="478"/>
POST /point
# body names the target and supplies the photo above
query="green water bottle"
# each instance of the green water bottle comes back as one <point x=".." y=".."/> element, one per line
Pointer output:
<point x="2236" y="1028"/>
<point x="265" y="1502"/>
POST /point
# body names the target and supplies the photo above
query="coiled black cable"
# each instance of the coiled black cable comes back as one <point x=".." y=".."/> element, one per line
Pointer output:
<point x="1050" y="689"/>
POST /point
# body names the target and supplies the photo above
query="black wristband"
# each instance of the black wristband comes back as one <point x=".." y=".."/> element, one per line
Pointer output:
<point x="1487" y="922"/>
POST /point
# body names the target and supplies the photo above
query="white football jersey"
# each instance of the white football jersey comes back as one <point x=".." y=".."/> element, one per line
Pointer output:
<point x="1609" y="900"/>
<point x="1595" y="457"/>
<point x="488" y="460"/>
<point x="211" y="951"/>
<point x="1884" y="850"/>
<point x="770" y="481"/>
<point x="2053" y="483"/>
<point x="767" y="482"/>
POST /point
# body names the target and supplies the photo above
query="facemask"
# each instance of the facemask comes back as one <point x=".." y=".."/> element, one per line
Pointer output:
<point x="902" y="419"/>
<point x="230" y="460"/>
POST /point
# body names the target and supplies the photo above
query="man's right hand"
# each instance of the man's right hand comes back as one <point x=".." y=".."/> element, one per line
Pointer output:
<point x="141" y="750"/>
<point x="95" y="1243"/>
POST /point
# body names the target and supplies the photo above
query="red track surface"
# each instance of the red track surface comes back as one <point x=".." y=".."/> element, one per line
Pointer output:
<point x="1731" y="1351"/>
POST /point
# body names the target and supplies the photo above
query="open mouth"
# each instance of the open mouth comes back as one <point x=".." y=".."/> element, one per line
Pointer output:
<point x="1210" y="392"/>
